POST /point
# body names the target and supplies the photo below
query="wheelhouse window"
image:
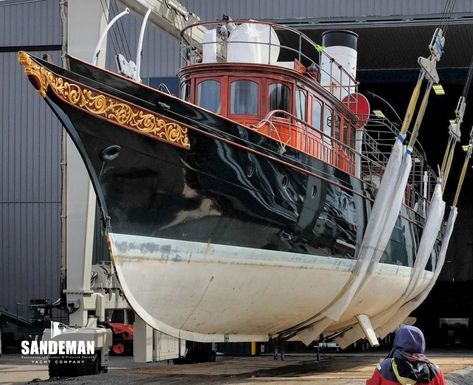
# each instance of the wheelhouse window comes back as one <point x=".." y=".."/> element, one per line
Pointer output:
<point x="279" y="98"/>
<point x="349" y="135"/>
<point x="346" y="133"/>
<point x="185" y="91"/>
<point x="244" y="97"/>
<point x="208" y="95"/>
<point x="316" y="113"/>
<point x="301" y="102"/>
<point x="336" y="122"/>
<point x="328" y="113"/>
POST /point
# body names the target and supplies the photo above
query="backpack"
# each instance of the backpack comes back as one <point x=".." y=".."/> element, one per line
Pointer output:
<point x="411" y="373"/>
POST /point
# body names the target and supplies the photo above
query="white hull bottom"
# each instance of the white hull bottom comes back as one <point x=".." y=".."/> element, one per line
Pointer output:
<point x="216" y="293"/>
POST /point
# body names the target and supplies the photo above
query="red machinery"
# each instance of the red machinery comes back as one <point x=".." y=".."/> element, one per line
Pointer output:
<point x="122" y="338"/>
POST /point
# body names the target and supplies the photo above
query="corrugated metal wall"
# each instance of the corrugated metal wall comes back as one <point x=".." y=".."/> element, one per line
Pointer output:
<point x="34" y="22"/>
<point x="30" y="143"/>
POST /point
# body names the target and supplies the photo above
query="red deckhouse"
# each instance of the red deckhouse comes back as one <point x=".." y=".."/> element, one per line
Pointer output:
<point x="306" y="106"/>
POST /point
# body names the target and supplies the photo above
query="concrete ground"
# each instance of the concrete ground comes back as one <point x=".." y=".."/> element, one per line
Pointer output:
<point x="334" y="369"/>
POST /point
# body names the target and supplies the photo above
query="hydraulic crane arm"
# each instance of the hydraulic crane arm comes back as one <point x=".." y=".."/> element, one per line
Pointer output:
<point x="168" y="15"/>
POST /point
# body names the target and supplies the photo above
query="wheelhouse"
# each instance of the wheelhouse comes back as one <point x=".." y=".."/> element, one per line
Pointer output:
<point x="283" y="99"/>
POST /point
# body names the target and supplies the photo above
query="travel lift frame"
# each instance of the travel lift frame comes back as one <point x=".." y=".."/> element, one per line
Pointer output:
<point x="84" y="24"/>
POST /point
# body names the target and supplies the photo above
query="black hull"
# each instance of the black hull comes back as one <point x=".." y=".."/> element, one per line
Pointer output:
<point x="231" y="187"/>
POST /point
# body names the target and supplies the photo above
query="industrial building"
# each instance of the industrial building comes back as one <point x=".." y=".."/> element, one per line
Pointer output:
<point x="392" y="34"/>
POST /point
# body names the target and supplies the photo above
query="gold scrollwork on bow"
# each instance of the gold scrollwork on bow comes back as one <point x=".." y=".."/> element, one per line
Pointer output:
<point x="105" y="106"/>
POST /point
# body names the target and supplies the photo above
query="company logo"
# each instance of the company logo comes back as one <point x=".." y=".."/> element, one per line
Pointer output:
<point x="60" y="341"/>
<point x="56" y="329"/>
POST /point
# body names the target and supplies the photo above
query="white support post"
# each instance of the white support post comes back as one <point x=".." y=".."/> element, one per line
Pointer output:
<point x="85" y="23"/>
<point x="368" y="329"/>
<point x="142" y="341"/>
<point x="359" y="149"/>
<point x="167" y="347"/>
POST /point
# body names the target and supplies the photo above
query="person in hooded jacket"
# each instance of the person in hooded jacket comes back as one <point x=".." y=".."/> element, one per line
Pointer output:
<point x="407" y="364"/>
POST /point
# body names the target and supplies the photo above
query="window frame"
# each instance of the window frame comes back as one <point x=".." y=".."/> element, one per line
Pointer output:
<point x="327" y="133"/>
<point x="188" y="85"/>
<point x="314" y="100"/>
<point x="232" y="80"/>
<point x="221" y="81"/>
<point x="289" y="85"/>
<point x="300" y="90"/>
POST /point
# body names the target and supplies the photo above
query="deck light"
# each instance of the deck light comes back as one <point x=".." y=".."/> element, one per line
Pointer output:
<point x="438" y="89"/>
<point x="465" y="148"/>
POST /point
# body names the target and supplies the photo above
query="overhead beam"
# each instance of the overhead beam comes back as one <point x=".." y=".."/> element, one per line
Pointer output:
<point x="374" y="21"/>
<point x="168" y="15"/>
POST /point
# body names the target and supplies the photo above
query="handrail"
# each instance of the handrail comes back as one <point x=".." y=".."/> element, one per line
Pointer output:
<point x="378" y="138"/>
<point x="271" y="114"/>
<point x="373" y="158"/>
<point x="190" y="50"/>
<point x="330" y="146"/>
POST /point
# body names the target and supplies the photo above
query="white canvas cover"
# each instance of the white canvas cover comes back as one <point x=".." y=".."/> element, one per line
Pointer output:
<point x="378" y="231"/>
<point x="253" y="43"/>
<point x="389" y="320"/>
<point x="313" y="332"/>
<point x="393" y="316"/>
<point x="380" y="225"/>
<point x="408" y="307"/>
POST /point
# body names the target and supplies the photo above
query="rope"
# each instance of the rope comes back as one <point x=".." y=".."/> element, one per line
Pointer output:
<point x="412" y="105"/>
<point x="448" y="166"/>
<point x="116" y="29"/>
<point x="465" y="167"/>
<point x="445" y="155"/>
<point x="420" y="114"/>
<point x="447" y="11"/>
<point x="462" y="176"/>
<point x="121" y="31"/>
<point x="466" y="87"/>
<point x="106" y="14"/>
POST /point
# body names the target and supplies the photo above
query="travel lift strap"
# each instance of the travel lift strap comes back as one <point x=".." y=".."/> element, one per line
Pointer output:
<point x="428" y="69"/>
<point x="413" y="303"/>
<point x="410" y="300"/>
<point x="386" y="322"/>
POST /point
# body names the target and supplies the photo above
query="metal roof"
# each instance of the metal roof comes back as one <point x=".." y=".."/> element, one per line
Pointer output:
<point x="389" y="43"/>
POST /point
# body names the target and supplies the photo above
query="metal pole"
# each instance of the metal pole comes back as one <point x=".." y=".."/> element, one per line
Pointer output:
<point x="95" y="56"/>
<point x="139" y="50"/>
<point x="412" y="105"/>
<point x="420" y="114"/>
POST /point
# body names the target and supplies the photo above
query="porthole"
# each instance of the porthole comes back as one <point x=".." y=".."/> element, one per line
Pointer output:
<point x="110" y="153"/>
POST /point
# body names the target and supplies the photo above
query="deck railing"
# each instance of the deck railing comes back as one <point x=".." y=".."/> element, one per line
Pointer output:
<point x="290" y="130"/>
<point x="290" y="47"/>
<point x="378" y="138"/>
<point x="282" y="46"/>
